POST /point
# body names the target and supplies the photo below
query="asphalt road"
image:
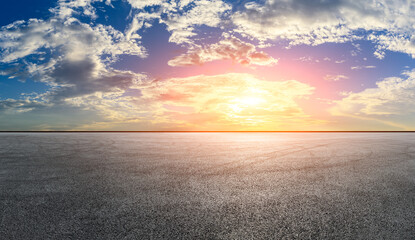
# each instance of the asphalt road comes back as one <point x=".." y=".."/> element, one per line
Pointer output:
<point x="207" y="186"/>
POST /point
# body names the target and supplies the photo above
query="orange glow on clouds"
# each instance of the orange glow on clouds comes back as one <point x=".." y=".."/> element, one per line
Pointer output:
<point x="228" y="101"/>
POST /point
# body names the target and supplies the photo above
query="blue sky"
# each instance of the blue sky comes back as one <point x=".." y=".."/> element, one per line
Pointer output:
<point x="207" y="65"/>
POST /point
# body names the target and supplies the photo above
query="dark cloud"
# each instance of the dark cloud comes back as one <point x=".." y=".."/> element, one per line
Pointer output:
<point x="77" y="78"/>
<point x="71" y="57"/>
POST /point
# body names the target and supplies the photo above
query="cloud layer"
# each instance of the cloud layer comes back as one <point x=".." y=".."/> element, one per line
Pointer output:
<point x="234" y="101"/>
<point x="71" y="57"/>
<point x="90" y="66"/>
<point x="229" y="48"/>
<point x="391" y="98"/>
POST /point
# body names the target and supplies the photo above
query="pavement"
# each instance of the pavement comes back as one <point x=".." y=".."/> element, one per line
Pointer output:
<point x="207" y="185"/>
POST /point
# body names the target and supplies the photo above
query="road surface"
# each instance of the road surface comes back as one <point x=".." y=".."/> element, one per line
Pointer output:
<point x="207" y="185"/>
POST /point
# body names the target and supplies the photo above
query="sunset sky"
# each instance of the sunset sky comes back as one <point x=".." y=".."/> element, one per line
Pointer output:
<point x="276" y="65"/>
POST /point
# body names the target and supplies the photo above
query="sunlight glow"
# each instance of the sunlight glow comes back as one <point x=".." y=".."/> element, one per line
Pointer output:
<point x="250" y="101"/>
<point x="237" y="101"/>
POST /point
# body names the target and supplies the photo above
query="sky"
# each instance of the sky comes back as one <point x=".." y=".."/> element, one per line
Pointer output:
<point x="199" y="65"/>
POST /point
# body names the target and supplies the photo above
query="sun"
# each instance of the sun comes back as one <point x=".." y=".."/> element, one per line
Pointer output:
<point x="240" y="104"/>
<point x="243" y="107"/>
<point x="250" y="98"/>
<point x="250" y="101"/>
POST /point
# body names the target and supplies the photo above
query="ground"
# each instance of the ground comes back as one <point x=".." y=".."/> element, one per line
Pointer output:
<point x="207" y="185"/>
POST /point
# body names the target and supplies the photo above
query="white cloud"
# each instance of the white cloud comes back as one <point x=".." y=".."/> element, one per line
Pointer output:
<point x="139" y="4"/>
<point x="300" y="22"/>
<point x="203" y="12"/>
<point x="180" y="22"/>
<point x="12" y="106"/>
<point x="67" y="8"/>
<point x="317" y="22"/>
<point x="391" y="99"/>
<point x="228" y="48"/>
<point x="73" y="40"/>
<point x="139" y="21"/>
<point x="71" y="57"/>
<point x="335" y="78"/>
<point x="362" y="67"/>
<point x="398" y="43"/>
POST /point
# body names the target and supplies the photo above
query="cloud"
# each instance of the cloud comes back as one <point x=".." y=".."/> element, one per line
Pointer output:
<point x="229" y="48"/>
<point x="362" y="67"/>
<point x="391" y="101"/>
<point x="299" y="21"/>
<point x="227" y="101"/>
<point x="181" y="17"/>
<point x="398" y="43"/>
<point x="67" y="54"/>
<point x="307" y="21"/>
<point x="335" y="78"/>
<point x="139" y="4"/>
<point x="68" y="8"/>
<point x="20" y="105"/>
<point x="202" y="13"/>
<point x="78" y="86"/>
<point x="77" y="78"/>
<point x="71" y="57"/>
<point x="139" y="21"/>
<point x="317" y="22"/>
<point x="71" y="38"/>
<point x="74" y="54"/>
<point x="233" y="101"/>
